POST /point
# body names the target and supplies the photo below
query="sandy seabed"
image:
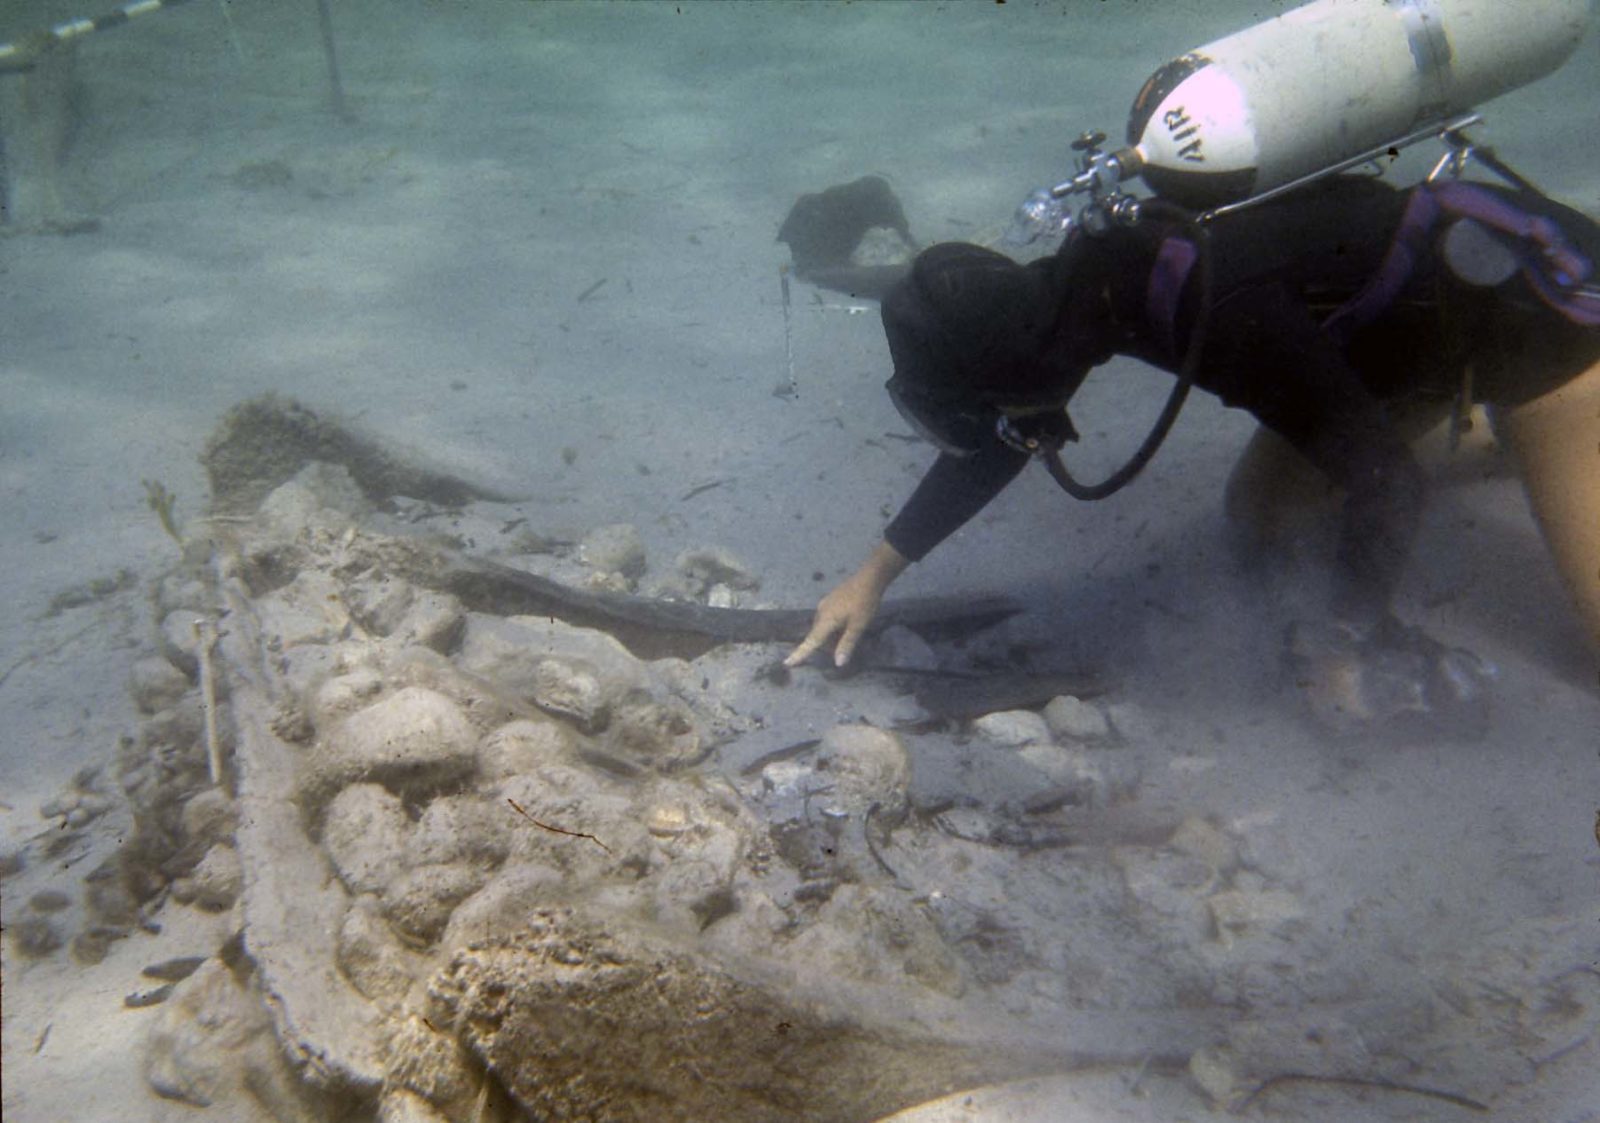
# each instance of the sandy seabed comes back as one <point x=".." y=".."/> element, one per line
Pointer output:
<point x="538" y="247"/>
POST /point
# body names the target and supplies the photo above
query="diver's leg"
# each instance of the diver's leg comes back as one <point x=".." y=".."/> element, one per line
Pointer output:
<point x="1556" y="442"/>
<point x="1270" y="485"/>
<point x="1275" y="497"/>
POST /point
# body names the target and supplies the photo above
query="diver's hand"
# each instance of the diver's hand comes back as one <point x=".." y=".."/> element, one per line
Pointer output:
<point x="849" y="608"/>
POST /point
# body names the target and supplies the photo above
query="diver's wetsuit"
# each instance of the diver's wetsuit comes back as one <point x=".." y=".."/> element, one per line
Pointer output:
<point x="1279" y="270"/>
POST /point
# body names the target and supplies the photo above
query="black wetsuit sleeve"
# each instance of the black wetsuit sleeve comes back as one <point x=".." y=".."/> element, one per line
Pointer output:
<point x="951" y="492"/>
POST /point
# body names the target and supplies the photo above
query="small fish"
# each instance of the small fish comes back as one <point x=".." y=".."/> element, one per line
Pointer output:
<point x="142" y="998"/>
<point x="174" y="970"/>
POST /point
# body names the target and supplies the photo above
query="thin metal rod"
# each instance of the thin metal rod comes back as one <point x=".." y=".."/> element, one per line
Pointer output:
<point x="1437" y="129"/>
<point x="335" y="86"/>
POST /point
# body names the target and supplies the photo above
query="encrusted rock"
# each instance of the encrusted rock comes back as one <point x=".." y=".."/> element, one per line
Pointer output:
<point x="867" y="767"/>
<point x="401" y="1105"/>
<point x="209" y="818"/>
<point x="372" y="957"/>
<point x="582" y="1022"/>
<point x="216" y="881"/>
<point x="1172" y="885"/>
<point x="156" y="684"/>
<point x="1215" y="1069"/>
<point x="33" y="936"/>
<point x="342" y="695"/>
<point x="1076" y="719"/>
<point x="190" y="1051"/>
<point x="427" y="1062"/>
<point x="1012" y="727"/>
<point x="364" y="832"/>
<point x="308" y="611"/>
<point x="521" y="746"/>
<point x="656" y="735"/>
<point x="420" y="901"/>
<point x="379" y="604"/>
<point x="435" y="621"/>
<point x="461" y="828"/>
<point x="578" y="673"/>
<point x="571" y="688"/>
<point x="1206" y="841"/>
<point x="320" y="494"/>
<point x="1243" y="912"/>
<point x="501" y="908"/>
<point x="616" y="548"/>
<point x="709" y="566"/>
<point x="415" y="742"/>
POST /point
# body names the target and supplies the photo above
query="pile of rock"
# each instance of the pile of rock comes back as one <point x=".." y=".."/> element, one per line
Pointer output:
<point x="471" y="846"/>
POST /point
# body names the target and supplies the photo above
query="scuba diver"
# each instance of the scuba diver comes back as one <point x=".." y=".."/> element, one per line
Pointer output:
<point x="1348" y="317"/>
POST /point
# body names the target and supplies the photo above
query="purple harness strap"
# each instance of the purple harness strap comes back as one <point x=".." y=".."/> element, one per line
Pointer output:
<point x="1174" y="260"/>
<point x="1552" y="265"/>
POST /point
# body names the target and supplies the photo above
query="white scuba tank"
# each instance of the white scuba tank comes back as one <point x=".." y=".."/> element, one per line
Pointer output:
<point x="1330" y="80"/>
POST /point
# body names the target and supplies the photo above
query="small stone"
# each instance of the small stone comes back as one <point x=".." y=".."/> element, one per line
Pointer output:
<point x="521" y="746"/>
<point x="94" y="805"/>
<point x="49" y="900"/>
<point x="414" y="742"/>
<point x="344" y="694"/>
<point x="156" y="684"/>
<point x="92" y="945"/>
<point x="1076" y="719"/>
<point x="12" y="862"/>
<point x="710" y="566"/>
<point x="608" y="581"/>
<point x="379" y="605"/>
<point x="401" y="1105"/>
<point x="372" y="958"/>
<point x="33" y="936"/>
<point x="1203" y="840"/>
<point x="364" y="833"/>
<point x="436" y="621"/>
<point x="209" y="818"/>
<point x="615" y="548"/>
<point x="572" y="689"/>
<point x="111" y="901"/>
<point x="59" y="806"/>
<point x="218" y="878"/>
<point x="1215" y="1071"/>
<point x="1239" y="913"/>
<point x="1012" y="728"/>
<point x="866" y="766"/>
<point x="420" y="901"/>
<point x="208" y="1038"/>
<point x="460" y="828"/>
<point x="656" y="735"/>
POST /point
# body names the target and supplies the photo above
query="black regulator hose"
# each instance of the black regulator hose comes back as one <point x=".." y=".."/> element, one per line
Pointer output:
<point x="1187" y="372"/>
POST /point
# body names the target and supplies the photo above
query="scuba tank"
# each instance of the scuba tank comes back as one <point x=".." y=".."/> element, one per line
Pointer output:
<point x="1318" y="90"/>
<point x="1326" y="81"/>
